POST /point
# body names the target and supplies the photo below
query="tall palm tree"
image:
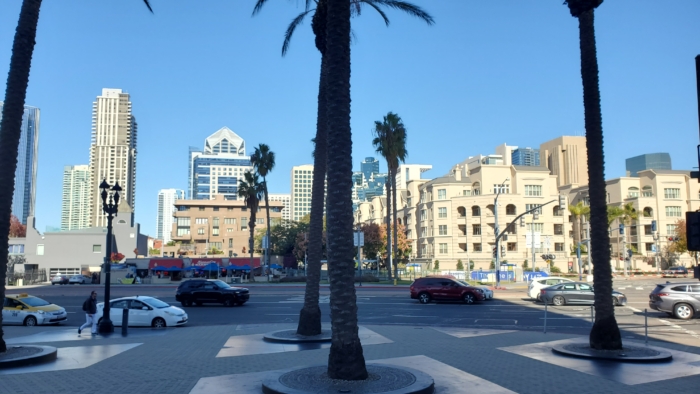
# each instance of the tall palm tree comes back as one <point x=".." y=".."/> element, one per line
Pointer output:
<point x="579" y="211"/>
<point x="390" y="142"/>
<point x="605" y="333"/>
<point x="310" y="314"/>
<point x="263" y="160"/>
<point x="251" y="190"/>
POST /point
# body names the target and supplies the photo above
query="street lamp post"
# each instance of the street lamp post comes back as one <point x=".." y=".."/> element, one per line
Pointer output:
<point x="496" y="233"/>
<point x="110" y="205"/>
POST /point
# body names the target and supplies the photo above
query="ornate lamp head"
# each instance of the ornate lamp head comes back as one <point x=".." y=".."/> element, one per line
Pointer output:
<point x="116" y="188"/>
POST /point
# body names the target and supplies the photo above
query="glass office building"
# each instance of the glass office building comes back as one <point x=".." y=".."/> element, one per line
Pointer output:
<point x="649" y="161"/>
<point x="525" y="157"/>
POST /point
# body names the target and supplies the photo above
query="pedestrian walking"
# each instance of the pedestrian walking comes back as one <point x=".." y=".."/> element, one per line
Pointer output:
<point x="90" y="308"/>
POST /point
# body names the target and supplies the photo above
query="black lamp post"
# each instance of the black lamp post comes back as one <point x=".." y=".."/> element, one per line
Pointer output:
<point x="110" y="203"/>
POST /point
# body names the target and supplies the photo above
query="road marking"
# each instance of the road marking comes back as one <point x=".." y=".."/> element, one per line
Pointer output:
<point x="412" y="316"/>
<point x="639" y="288"/>
<point x="691" y="333"/>
<point x="633" y="309"/>
<point x="282" y="314"/>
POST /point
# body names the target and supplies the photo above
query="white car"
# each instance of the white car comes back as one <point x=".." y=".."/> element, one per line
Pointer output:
<point x="143" y="311"/>
<point x="488" y="293"/>
<point x="537" y="284"/>
<point x="79" y="279"/>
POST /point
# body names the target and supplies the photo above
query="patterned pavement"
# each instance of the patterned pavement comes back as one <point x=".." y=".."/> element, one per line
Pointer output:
<point x="234" y="359"/>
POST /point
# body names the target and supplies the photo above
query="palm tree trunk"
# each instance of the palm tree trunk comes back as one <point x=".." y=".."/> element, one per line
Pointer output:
<point x="346" y="360"/>
<point x="310" y="315"/>
<point x="396" y="233"/>
<point x="388" y="224"/>
<point x="11" y="127"/>
<point x="267" y="211"/>
<point x="251" y="226"/>
<point x="605" y="333"/>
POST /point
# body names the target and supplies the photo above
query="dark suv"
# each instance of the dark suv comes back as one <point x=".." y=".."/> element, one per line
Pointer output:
<point x="444" y="288"/>
<point x="675" y="272"/>
<point x="200" y="291"/>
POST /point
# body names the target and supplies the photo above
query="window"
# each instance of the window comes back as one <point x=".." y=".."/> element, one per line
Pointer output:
<point x="558" y="229"/>
<point x="244" y="224"/>
<point x="672" y="193"/>
<point x="181" y="231"/>
<point x="423" y="214"/>
<point x="558" y="246"/>
<point x="183" y="222"/>
<point x="476" y="247"/>
<point x="442" y="194"/>
<point x="533" y="190"/>
<point x="557" y="212"/>
<point x="538" y="227"/>
<point x="673" y="211"/>
<point x="537" y="208"/>
<point x="96" y="248"/>
<point x="230" y="221"/>
<point x="230" y="242"/>
<point x="229" y="230"/>
<point x="216" y="208"/>
<point x="201" y="220"/>
<point x="510" y="209"/>
<point x="442" y="213"/>
<point x="443" y="248"/>
<point x="260" y="221"/>
<point x="649" y="247"/>
<point x="632" y="192"/>
<point x="201" y="208"/>
<point x="476" y="211"/>
<point x="647" y="192"/>
<point x="200" y="231"/>
<point x="423" y="231"/>
<point x="216" y="222"/>
<point x="512" y="246"/>
<point x="215" y="232"/>
<point x="501" y="189"/>
<point x="40" y="250"/>
<point x="670" y="229"/>
<point x="647" y="229"/>
<point x="442" y="230"/>
<point x="476" y="229"/>
<point x="16" y="249"/>
<point x="633" y="231"/>
<point x="466" y="192"/>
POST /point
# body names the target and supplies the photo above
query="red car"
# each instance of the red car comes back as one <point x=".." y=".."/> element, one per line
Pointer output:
<point x="444" y="288"/>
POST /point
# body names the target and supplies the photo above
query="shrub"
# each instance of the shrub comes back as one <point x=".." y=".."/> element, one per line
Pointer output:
<point x="460" y="265"/>
<point x="437" y="265"/>
<point x="367" y="278"/>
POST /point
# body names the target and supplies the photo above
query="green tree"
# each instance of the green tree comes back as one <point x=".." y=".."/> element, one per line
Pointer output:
<point x="11" y="125"/>
<point x="605" y="334"/>
<point x="471" y="265"/>
<point x="437" y="265"/>
<point x="251" y="190"/>
<point x="579" y="211"/>
<point x="310" y="314"/>
<point x="460" y="265"/>
<point x="492" y="266"/>
<point x="263" y="160"/>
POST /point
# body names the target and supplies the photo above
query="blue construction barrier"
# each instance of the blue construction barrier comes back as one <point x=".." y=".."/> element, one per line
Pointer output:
<point x="529" y="275"/>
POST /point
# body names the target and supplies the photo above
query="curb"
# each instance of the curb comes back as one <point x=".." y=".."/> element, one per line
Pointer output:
<point x="47" y="354"/>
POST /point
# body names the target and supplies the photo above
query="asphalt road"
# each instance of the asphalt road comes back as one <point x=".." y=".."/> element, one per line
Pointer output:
<point x="511" y="309"/>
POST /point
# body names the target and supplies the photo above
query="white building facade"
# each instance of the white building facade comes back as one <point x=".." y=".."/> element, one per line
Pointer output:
<point x="301" y="182"/>
<point x="75" y="200"/>
<point x="112" y="152"/>
<point x="166" y="209"/>
<point x="286" y="199"/>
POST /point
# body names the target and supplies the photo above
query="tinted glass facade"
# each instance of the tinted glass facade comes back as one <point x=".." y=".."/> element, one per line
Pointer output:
<point x="649" y="161"/>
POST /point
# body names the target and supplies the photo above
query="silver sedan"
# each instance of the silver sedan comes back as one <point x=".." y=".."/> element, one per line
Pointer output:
<point x="576" y="293"/>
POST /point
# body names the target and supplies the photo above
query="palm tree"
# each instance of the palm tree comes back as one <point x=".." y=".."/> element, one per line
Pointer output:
<point x="310" y="314"/>
<point x="251" y="190"/>
<point x="605" y="333"/>
<point x="263" y="160"/>
<point x="579" y="211"/>
<point x="390" y="142"/>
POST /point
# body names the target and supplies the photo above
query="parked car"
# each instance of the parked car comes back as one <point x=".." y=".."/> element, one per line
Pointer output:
<point x="675" y="272"/>
<point x="444" y="288"/>
<point x="575" y="293"/>
<point x="143" y="311"/>
<point x="79" y="280"/>
<point x="200" y="291"/>
<point x="537" y="284"/>
<point x="30" y="311"/>
<point x="60" y="280"/>
<point x="681" y="300"/>
<point x="488" y="293"/>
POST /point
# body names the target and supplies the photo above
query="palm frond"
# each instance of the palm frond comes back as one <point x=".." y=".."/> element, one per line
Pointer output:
<point x="404" y="6"/>
<point x="290" y="29"/>
<point x="148" y="5"/>
<point x="379" y="10"/>
<point x="258" y="6"/>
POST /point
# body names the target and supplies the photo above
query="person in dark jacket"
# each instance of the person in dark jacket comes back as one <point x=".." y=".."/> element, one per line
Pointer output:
<point x="90" y="308"/>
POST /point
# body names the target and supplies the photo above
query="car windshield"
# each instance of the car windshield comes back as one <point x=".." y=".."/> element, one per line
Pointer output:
<point x="221" y="284"/>
<point x="34" y="301"/>
<point x="463" y="283"/>
<point x="156" y="303"/>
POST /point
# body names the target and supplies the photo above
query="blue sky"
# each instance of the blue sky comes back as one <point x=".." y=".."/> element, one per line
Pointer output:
<point x="487" y="73"/>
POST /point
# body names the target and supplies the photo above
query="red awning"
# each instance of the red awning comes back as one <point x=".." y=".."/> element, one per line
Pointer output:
<point x="201" y="262"/>
<point x="167" y="263"/>
<point x="241" y="261"/>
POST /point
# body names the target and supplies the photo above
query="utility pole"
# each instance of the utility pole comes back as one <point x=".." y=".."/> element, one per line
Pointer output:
<point x="496" y="232"/>
<point x="535" y="216"/>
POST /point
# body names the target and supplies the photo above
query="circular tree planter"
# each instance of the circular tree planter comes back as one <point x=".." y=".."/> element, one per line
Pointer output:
<point x="382" y="379"/>
<point x="291" y="336"/>
<point x="21" y="356"/>
<point x="629" y="353"/>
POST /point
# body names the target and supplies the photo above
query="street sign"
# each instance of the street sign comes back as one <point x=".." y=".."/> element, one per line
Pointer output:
<point x="547" y="242"/>
<point x="359" y="239"/>
<point x="264" y="242"/>
<point x="528" y="240"/>
<point x="653" y="248"/>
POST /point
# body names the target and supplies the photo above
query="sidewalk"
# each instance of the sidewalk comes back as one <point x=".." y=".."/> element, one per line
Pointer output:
<point x="234" y="359"/>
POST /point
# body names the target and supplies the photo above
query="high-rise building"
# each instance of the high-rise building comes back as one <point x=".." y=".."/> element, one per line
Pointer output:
<point x="75" y="204"/>
<point x="369" y="166"/>
<point x="286" y="199"/>
<point x="649" y="161"/>
<point x="567" y="158"/>
<point x="219" y="168"/>
<point x="27" y="158"/>
<point x="166" y="209"/>
<point x="112" y="152"/>
<point x="302" y="180"/>
<point x="525" y="157"/>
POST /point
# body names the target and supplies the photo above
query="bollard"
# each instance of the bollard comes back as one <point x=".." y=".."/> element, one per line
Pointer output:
<point x="545" y="317"/>
<point x="125" y="321"/>
<point x="646" y="328"/>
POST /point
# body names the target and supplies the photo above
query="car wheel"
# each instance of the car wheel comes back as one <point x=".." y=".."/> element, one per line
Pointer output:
<point x="558" y="301"/>
<point x="52" y="283"/>
<point x="158" y="322"/>
<point x="228" y="301"/>
<point x="539" y="297"/>
<point x="616" y="302"/>
<point x="198" y="303"/>
<point x="424" y="298"/>
<point x="30" y="321"/>
<point x="240" y="303"/>
<point x="683" y="311"/>
<point x="468" y="298"/>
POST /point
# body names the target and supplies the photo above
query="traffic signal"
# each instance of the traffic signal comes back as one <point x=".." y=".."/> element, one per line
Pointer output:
<point x="535" y="215"/>
<point x="505" y="237"/>
<point x="653" y="226"/>
<point x="692" y="230"/>
<point x="503" y="251"/>
<point x="622" y="229"/>
<point x="562" y="203"/>
<point x="494" y="252"/>
<point x="522" y="222"/>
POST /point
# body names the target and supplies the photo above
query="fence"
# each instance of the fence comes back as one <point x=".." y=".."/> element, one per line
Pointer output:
<point x="30" y="277"/>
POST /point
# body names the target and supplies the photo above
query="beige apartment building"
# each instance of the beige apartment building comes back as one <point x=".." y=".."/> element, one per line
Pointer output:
<point x="203" y="225"/>
<point x="567" y="159"/>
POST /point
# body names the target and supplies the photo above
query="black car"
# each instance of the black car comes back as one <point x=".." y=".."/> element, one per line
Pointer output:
<point x="200" y="291"/>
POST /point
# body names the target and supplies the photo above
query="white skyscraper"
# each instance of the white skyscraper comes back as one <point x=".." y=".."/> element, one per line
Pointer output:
<point x="112" y="152"/>
<point x="302" y="179"/>
<point x="286" y="200"/>
<point x="166" y="208"/>
<point x="75" y="205"/>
